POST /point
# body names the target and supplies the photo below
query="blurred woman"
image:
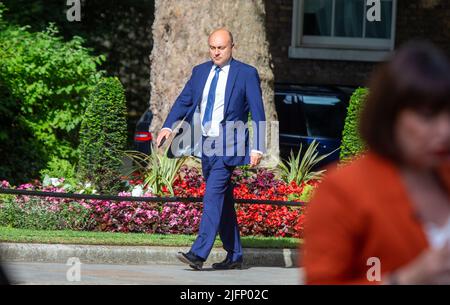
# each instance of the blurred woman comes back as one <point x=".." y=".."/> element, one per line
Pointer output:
<point x="385" y="217"/>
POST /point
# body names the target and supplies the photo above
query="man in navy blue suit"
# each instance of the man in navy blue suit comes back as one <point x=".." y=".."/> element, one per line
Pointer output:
<point x="220" y="94"/>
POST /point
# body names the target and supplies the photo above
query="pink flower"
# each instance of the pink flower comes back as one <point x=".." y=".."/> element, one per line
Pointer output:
<point x="26" y="186"/>
<point x="172" y="223"/>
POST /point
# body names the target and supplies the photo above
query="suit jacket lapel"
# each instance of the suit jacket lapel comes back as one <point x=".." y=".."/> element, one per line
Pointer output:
<point x="202" y="82"/>
<point x="232" y="74"/>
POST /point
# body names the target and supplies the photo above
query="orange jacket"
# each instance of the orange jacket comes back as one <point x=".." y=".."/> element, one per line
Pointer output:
<point x="361" y="211"/>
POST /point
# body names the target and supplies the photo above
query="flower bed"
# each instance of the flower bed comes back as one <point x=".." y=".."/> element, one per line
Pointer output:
<point x="170" y="217"/>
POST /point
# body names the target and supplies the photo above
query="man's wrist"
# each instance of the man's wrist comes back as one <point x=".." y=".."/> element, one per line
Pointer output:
<point x="166" y="128"/>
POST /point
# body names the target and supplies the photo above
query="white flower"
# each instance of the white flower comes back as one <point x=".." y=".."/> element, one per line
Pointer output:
<point x="55" y="181"/>
<point x="87" y="185"/>
<point x="137" y="191"/>
<point x="46" y="181"/>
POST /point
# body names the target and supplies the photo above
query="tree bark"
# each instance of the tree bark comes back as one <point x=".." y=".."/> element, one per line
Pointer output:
<point x="430" y="3"/>
<point x="180" y="41"/>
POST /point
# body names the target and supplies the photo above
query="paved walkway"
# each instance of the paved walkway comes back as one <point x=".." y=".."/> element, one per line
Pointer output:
<point x="93" y="274"/>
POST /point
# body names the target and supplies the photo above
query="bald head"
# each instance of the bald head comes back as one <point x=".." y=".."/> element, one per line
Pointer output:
<point x="220" y="46"/>
<point x="222" y="31"/>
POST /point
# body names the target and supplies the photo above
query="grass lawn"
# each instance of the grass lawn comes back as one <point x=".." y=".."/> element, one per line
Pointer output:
<point x="130" y="239"/>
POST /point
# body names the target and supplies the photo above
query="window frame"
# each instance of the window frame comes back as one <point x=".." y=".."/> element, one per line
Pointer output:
<point x="338" y="48"/>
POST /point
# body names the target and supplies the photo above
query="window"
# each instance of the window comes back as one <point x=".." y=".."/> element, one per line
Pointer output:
<point x="320" y="116"/>
<point x="340" y="30"/>
<point x="291" y="116"/>
<point x="325" y="116"/>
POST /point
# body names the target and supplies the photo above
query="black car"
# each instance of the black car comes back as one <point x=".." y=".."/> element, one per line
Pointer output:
<point x="142" y="136"/>
<point x="305" y="113"/>
<point x="308" y="113"/>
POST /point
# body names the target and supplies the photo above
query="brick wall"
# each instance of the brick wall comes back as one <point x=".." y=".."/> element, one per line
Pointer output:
<point x="415" y="19"/>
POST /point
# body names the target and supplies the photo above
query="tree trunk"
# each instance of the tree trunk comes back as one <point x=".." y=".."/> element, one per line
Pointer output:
<point x="180" y="41"/>
<point x="430" y="3"/>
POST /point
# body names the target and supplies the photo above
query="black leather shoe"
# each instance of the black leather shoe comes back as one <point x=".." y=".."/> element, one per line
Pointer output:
<point x="227" y="264"/>
<point x="191" y="259"/>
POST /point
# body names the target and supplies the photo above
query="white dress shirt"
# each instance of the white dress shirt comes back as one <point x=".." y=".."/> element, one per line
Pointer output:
<point x="218" y="110"/>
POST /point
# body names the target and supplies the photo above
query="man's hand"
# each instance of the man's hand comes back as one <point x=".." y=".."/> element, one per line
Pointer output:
<point x="163" y="134"/>
<point x="255" y="158"/>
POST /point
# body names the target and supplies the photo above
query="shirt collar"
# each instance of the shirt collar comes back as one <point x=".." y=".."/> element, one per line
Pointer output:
<point x="225" y="67"/>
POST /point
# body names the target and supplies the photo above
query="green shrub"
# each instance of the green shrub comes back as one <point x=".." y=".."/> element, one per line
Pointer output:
<point x="158" y="169"/>
<point x="22" y="155"/>
<point x="299" y="170"/>
<point x="37" y="214"/>
<point x="60" y="168"/>
<point x="44" y="88"/>
<point x="352" y="144"/>
<point x="103" y="136"/>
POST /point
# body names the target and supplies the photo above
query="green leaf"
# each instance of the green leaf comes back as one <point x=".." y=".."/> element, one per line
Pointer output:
<point x="299" y="169"/>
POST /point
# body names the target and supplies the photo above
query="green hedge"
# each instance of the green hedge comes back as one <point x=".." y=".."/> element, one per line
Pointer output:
<point x="103" y="136"/>
<point x="352" y="144"/>
<point x="44" y="88"/>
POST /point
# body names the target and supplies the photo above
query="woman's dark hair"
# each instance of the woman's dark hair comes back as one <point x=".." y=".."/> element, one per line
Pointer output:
<point x="417" y="77"/>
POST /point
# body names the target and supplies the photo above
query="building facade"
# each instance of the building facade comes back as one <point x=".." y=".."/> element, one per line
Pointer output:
<point x="332" y="42"/>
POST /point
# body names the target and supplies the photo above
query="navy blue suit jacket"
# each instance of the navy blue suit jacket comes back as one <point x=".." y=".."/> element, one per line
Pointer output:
<point x="242" y="95"/>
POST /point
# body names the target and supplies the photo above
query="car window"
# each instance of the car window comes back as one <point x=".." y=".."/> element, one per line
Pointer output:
<point x="320" y="100"/>
<point x="325" y="115"/>
<point x="290" y="114"/>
